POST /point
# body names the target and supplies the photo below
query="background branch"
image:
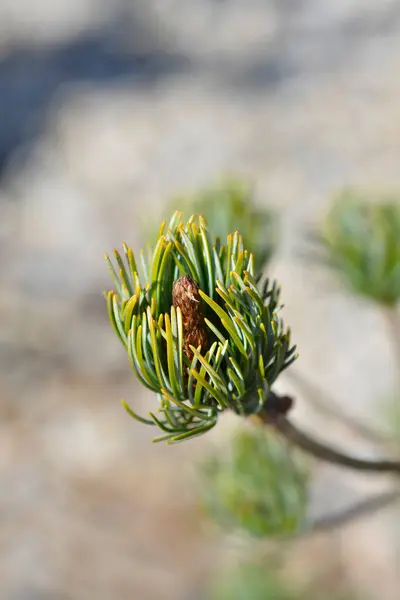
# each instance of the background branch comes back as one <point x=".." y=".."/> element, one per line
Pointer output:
<point x="357" y="511"/>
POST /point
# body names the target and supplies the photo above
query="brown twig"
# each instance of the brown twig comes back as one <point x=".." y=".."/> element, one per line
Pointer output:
<point x="392" y="319"/>
<point x="321" y="451"/>
<point x="329" y="408"/>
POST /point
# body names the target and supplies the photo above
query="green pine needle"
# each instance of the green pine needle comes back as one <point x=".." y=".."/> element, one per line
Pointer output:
<point x="248" y="343"/>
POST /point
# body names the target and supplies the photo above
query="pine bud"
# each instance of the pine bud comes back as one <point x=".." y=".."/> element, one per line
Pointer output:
<point x="185" y="295"/>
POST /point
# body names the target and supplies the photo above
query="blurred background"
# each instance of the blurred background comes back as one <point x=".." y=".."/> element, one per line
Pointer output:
<point x="108" y="109"/>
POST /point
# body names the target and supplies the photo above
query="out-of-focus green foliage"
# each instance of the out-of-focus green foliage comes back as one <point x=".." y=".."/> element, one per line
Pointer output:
<point x="257" y="485"/>
<point x="248" y="343"/>
<point x="250" y="582"/>
<point x="229" y="205"/>
<point x="361" y="238"/>
<point x="389" y="418"/>
<point x="257" y="581"/>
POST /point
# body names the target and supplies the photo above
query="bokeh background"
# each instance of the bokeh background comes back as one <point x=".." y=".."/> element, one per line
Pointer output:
<point x="108" y="108"/>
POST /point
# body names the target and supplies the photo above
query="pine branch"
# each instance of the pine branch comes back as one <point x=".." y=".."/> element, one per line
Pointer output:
<point x="272" y="415"/>
<point x="326" y="405"/>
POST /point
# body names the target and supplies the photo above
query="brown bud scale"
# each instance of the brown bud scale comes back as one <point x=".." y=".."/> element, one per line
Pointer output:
<point x="185" y="295"/>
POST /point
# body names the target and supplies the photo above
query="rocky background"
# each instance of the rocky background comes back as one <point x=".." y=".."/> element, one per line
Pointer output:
<point x="107" y="108"/>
